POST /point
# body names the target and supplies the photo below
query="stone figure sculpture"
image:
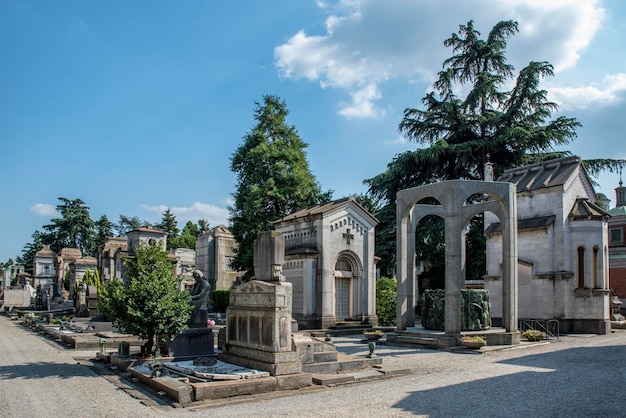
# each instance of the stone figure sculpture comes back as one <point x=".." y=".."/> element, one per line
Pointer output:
<point x="201" y="293"/>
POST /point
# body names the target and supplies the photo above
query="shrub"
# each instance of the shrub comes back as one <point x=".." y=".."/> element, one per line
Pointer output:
<point x="221" y="299"/>
<point x="386" y="301"/>
<point x="533" y="335"/>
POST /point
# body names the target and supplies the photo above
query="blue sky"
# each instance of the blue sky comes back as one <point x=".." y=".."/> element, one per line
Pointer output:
<point x="136" y="107"/>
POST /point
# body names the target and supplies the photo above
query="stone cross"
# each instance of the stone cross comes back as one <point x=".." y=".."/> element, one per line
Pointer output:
<point x="348" y="236"/>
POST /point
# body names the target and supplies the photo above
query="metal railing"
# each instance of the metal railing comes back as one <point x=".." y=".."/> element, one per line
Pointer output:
<point x="550" y="327"/>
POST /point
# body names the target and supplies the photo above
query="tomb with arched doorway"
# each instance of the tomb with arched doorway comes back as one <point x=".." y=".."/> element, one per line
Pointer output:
<point x="330" y="262"/>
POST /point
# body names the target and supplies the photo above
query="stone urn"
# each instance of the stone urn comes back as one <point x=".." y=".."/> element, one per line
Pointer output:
<point x="473" y="342"/>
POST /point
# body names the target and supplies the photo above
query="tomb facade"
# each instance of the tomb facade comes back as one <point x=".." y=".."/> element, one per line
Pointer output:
<point x="330" y="262"/>
<point x="562" y="244"/>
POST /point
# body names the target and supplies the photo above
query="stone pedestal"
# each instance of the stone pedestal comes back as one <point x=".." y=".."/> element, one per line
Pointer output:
<point x="258" y="328"/>
<point x="193" y="342"/>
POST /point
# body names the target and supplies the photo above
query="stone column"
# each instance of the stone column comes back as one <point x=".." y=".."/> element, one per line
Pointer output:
<point x="455" y="273"/>
<point x="509" y="263"/>
<point x="405" y="314"/>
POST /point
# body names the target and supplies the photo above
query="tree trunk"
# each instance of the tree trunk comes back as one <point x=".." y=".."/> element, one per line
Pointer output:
<point x="150" y="342"/>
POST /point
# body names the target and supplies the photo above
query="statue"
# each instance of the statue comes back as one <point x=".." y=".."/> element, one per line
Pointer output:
<point x="201" y="293"/>
<point x="201" y="300"/>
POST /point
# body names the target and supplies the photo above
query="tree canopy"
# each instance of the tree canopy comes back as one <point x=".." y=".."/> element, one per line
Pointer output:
<point x="273" y="178"/>
<point x="151" y="303"/>
<point x="74" y="229"/>
<point x="506" y="127"/>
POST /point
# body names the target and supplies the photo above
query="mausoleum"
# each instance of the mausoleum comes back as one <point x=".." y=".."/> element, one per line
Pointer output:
<point x="562" y="242"/>
<point x="329" y="260"/>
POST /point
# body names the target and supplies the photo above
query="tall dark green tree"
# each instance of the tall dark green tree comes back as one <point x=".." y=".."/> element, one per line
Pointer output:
<point x="170" y="226"/>
<point x="508" y="128"/>
<point x="74" y="229"/>
<point x="273" y="178"/>
<point x="128" y="223"/>
<point x="29" y="251"/>
<point x="103" y="229"/>
<point x="187" y="237"/>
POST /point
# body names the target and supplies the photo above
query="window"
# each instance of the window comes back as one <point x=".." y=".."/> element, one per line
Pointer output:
<point x="581" y="267"/>
<point x="616" y="236"/>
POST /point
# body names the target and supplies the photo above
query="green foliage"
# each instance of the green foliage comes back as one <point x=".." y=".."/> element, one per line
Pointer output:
<point x="126" y="224"/>
<point x="386" y="301"/>
<point x="533" y="335"/>
<point x="221" y="300"/>
<point x="29" y="251"/>
<point x="103" y="229"/>
<point x="92" y="278"/>
<point x="273" y="179"/>
<point x="151" y="303"/>
<point x="6" y="265"/>
<point x="187" y="237"/>
<point x="168" y="224"/>
<point x="462" y="133"/>
<point x="74" y="229"/>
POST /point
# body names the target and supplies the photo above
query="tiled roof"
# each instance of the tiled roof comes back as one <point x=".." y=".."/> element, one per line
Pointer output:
<point x="323" y="208"/>
<point x="545" y="174"/>
<point x="524" y="224"/>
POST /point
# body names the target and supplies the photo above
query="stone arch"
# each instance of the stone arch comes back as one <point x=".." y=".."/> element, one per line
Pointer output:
<point x="452" y="196"/>
<point x="348" y="284"/>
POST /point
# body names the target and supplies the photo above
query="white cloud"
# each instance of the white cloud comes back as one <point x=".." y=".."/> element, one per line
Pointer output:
<point x="367" y="42"/>
<point x="215" y="215"/>
<point x="362" y="103"/>
<point x="44" y="209"/>
<point x="606" y="93"/>
<point x="398" y="141"/>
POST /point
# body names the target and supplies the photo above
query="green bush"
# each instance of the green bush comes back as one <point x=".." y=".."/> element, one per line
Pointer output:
<point x="533" y="335"/>
<point x="386" y="301"/>
<point x="221" y="298"/>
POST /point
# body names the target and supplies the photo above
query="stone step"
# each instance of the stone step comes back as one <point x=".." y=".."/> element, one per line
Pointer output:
<point x="413" y="339"/>
<point x="324" y="356"/>
<point x="344" y="363"/>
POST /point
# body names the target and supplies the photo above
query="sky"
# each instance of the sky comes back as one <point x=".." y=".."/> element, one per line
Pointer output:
<point x="137" y="107"/>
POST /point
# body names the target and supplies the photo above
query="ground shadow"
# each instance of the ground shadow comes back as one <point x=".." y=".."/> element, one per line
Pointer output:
<point x="574" y="383"/>
<point x="42" y="369"/>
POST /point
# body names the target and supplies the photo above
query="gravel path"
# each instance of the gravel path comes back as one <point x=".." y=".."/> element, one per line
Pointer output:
<point x="578" y="376"/>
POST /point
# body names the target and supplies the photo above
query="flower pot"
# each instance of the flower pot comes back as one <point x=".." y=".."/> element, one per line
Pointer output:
<point x="372" y="336"/>
<point x="473" y="344"/>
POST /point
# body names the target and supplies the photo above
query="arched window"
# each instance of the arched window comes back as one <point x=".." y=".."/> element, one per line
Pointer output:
<point x="581" y="267"/>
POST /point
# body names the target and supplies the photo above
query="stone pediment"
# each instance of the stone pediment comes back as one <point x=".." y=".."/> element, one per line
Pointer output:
<point x="255" y="286"/>
<point x="257" y="293"/>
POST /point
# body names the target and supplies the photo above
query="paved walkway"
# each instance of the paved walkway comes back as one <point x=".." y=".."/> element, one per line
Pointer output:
<point x="578" y="376"/>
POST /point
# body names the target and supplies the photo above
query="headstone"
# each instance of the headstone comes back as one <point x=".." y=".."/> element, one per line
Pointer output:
<point x="258" y="318"/>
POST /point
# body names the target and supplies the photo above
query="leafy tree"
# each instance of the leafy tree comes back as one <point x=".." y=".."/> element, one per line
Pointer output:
<point x="203" y="226"/>
<point x="7" y="264"/>
<point x="126" y="224"/>
<point x="508" y="128"/>
<point x="103" y="229"/>
<point x="29" y="251"/>
<point x="92" y="278"/>
<point x="386" y="301"/>
<point x="74" y="229"/>
<point x="151" y="303"/>
<point x="168" y="224"/>
<point x="187" y="237"/>
<point x="273" y="178"/>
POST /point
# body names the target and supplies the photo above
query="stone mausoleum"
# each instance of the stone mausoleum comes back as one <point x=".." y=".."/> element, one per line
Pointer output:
<point x="562" y="241"/>
<point x="330" y="262"/>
